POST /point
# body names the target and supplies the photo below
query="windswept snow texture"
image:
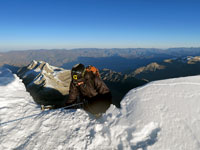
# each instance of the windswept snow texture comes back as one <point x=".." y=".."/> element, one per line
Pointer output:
<point x="163" y="115"/>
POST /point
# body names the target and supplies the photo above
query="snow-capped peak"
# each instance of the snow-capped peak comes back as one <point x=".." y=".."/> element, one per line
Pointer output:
<point x="51" y="83"/>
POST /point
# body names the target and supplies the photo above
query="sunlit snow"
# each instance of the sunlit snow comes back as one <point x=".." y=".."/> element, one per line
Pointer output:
<point x="162" y="115"/>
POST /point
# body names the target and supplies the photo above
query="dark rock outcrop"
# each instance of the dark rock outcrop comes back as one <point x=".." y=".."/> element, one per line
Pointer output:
<point x="169" y="68"/>
<point x="119" y="84"/>
<point x="47" y="84"/>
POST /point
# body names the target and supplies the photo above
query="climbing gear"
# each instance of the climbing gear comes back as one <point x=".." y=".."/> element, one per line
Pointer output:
<point x="78" y="72"/>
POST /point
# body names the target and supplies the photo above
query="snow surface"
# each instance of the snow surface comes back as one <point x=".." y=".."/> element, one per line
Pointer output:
<point x="162" y="115"/>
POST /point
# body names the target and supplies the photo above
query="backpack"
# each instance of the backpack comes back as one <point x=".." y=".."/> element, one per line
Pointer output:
<point x="94" y="70"/>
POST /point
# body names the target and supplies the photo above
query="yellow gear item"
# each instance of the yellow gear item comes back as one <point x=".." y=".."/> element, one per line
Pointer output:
<point x="75" y="77"/>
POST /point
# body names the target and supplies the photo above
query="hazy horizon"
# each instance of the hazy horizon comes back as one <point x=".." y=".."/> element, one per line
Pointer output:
<point x="93" y="48"/>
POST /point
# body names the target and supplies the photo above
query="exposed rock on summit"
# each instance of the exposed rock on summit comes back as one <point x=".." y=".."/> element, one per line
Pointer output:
<point x="47" y="84"/>
<point x="169" y="68"/>
<point x="151" y="67"/>
<point x="112" y="76"/>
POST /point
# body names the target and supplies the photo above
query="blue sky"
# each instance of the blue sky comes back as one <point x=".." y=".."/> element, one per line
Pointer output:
<point x="35" y="24"/>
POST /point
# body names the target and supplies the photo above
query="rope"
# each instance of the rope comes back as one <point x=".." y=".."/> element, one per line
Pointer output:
<point x="30" y="116"/>
<point x="77" y="104"/>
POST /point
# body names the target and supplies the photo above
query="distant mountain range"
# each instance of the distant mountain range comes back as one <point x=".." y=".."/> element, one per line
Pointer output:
<point x="169" y="68"/>
<point x="120" y="60"/>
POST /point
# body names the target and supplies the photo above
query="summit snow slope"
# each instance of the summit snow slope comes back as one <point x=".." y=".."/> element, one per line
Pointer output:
<point x="162" y="115"/>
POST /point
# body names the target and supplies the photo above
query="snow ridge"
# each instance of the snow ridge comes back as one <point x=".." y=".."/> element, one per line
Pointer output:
<point x="160" y="115"/>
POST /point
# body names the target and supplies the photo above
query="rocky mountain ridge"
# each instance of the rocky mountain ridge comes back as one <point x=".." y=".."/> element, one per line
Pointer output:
<point x="169" y="68"/>
<point x="47" y="84"/>
<point x="50" y="85"/>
